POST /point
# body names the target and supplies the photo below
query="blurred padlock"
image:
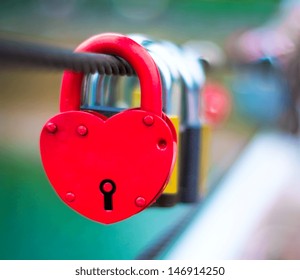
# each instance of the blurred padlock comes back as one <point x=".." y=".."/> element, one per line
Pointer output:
<point x="108" y="169"/>
<point x="206" y="133"/>
<point x="215" y="109"/>
<point x="256" y="86"/>
<point x="216" y="103"/>
<point x="197" y="70"/>
<point x="193" y="78"/>
<point x="99" y="94"/>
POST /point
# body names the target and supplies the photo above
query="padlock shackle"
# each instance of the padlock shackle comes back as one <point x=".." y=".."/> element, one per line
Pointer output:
<point x="165" y="74"/>
<point x="135" y="54"/>
<point x="172" y="82"/>
<point x="170" y="77"/>
<point x="193" y="78"/>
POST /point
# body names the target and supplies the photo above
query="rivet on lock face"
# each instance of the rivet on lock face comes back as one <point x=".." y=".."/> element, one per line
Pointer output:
<point x="140" y="202"/>
<point x="51" y="127"/>
<point x="148" y="120"/>
<point x="70" y="197"/>
<point x="82" y="130"/>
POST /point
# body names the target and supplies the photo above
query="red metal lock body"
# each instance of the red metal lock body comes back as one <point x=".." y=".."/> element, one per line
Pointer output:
<point x="110" y="169"/>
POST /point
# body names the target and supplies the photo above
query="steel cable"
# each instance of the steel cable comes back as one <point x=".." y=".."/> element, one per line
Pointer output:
<point x="38" y="55"/>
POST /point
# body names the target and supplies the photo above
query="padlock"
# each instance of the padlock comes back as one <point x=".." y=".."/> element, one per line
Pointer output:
<point x="215" y="109"/>
<point x="256" y="85"/>
<point x="206" y="132"/>
<point x="216" y="103"/>
<point x="95" y="94"/>
<point x="108" y="169"/>
<point x="197" y="66"/>
<point x="193" y="78"/>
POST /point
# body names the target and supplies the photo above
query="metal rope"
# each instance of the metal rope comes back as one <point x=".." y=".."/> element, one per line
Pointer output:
<point x="38" y="55"/>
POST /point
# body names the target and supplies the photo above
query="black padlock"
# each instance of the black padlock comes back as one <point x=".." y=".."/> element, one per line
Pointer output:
<point x="193" y="78"/>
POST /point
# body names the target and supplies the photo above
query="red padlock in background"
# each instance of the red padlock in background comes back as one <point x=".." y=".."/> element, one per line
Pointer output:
<point x="216" y="102"/>
<point x="108" y="169"/>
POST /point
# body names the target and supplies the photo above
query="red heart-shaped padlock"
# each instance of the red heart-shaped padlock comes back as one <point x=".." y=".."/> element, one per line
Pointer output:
<point x="110" y="169"/>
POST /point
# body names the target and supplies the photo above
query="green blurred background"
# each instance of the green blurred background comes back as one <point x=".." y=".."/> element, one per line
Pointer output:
<point x="34" y="224"/>
<point x="176" y="20"/>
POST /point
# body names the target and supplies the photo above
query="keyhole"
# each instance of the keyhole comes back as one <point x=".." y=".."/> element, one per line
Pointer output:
<point x="108" y="188"/>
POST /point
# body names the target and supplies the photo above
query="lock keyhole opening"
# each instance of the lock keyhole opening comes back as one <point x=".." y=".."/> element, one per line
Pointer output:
<point x="108" y="188"/>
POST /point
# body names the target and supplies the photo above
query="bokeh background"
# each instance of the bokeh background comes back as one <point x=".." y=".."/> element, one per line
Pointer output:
<point x="34" y="224"/>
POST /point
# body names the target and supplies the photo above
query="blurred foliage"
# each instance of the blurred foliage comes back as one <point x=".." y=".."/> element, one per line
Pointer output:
<point x="174" y="20"/>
